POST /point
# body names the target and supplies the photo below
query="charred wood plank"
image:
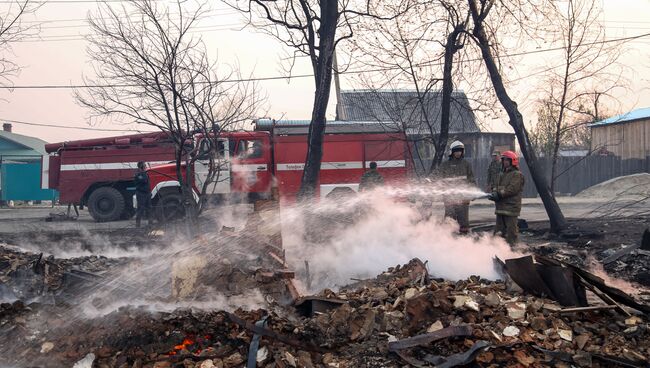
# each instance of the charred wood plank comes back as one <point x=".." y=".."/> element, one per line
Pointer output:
<point x="424" y="339"/>
<point x="586" y="309"/>
<point x="262" y="331"/>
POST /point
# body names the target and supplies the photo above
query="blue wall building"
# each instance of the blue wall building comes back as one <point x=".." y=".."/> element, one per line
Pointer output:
<point x="20" y="167"/>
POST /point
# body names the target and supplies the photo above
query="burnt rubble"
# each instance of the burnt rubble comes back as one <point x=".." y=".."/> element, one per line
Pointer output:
<point x="28" y="276"/>
<point x="547" y="311"/>
<point x="402" y="317"/>
<point x="615" y="244"/>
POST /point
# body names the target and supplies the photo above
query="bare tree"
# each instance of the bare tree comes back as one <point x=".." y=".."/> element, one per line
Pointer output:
<point x="487" y="41"/>
<point x="150" y="69"/>
<point x="13" y="29"/>
<point x="417" y="50"/>
<point x="314" y="29"/>
<point x="589" y="68"/>
<point x="457" y="25"/>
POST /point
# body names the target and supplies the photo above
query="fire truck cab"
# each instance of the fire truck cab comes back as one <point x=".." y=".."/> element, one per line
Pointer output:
<point x="242" y="160"/>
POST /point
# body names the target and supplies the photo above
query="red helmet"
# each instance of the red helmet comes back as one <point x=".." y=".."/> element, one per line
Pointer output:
<point x="512" y="156"/>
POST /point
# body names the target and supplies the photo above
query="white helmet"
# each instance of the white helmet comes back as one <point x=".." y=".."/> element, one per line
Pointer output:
<point x="456" y="145"/>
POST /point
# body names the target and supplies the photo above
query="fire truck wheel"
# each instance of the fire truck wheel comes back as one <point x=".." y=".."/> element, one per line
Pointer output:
<point x="128" y="213"/>
<point x="106" y="204"/>
<point x="170" y="207"/>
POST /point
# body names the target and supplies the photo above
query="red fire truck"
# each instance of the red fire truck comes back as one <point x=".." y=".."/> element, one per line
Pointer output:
<point x="273" y="154"/>
<point x="98" y="173"/>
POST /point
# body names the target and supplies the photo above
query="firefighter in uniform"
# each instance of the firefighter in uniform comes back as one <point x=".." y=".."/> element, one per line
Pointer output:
<point x="457" y="171"/>
<point x="142" y="194"/>
<point x="493" y="171"/>
<point x="507" y="196"/>
<point x="371" y="178"/>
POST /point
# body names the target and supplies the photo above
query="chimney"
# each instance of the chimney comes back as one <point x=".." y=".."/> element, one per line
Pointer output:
<point x="6" y="127"/>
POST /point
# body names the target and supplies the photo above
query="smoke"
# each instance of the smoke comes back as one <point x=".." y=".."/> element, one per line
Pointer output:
<point x="595" y="267"/>
<point x="83" y="243"/>
<point x="363" y="235"/>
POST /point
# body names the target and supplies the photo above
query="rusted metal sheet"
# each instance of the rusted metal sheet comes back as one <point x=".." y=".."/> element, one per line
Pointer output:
<point x="562" y="284"/>
<point x="524" y="273"/>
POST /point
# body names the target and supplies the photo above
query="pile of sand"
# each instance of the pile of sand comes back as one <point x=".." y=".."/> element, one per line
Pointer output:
<point x="622" y="186"/>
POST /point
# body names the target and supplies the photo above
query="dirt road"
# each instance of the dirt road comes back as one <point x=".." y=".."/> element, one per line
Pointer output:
<point x="32" y="219"/>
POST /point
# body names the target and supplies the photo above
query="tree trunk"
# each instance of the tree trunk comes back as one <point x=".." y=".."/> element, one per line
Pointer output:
<point x="189" y="204"/>
<point x="323" y="79"/>
<point x="447" y="90"/>
<point x="556" y="218"/>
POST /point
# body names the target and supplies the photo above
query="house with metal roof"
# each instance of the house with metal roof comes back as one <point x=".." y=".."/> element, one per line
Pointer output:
<point x="20" y="167"/>
<point x="420" y="118"/>
<point x="19" y="148"/>
<point x="626" y="135"/>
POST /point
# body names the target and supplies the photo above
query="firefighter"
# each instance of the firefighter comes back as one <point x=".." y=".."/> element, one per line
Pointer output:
<point x="507" y="196"/>
<point x="371" y="178"/>
<point x="457" y="171"/>
<point x="142" y="194"/>
<point x="493" y="171"/>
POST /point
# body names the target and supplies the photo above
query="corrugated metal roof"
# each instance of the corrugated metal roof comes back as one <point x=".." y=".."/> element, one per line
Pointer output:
<point x="403" y="106"/>
<point x="25" y="141"/>
<point x="290" y="127"/>
<point x="643" y="113"/>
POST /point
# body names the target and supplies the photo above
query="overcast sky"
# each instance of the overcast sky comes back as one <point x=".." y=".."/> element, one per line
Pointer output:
<point x="59" y="58"/>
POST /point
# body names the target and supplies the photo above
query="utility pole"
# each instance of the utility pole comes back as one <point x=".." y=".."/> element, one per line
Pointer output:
<point x="337" y="87"/>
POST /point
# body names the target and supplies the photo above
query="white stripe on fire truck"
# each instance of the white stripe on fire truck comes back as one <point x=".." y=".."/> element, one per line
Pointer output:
<point x="344" y="165"/>
<point x="249" y="167"/>
<point x="388" y="164"/>
<point x="107" y="166"/>
<point x="323" y="166"/>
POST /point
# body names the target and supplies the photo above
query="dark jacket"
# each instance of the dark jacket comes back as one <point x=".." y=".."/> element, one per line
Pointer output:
<point x="493" y="174"/>
<point x="458" y="169"/>
<point x="455" y="171"/>
<point x="370" y="179"/>
<point x="141" y="180"/>
<point x="509" y="188"/>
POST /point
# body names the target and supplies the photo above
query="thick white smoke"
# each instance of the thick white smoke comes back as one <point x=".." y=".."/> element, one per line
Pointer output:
<point x="387" y="232"/>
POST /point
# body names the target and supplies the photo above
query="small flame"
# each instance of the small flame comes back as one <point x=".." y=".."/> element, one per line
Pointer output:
<point x="187" y="342"/>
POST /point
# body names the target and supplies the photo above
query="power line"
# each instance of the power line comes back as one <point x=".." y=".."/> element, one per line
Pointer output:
<point x="209" y="12"/>
<point x="69" y="127"/>
<point x="262" y="79"/>
<point x="133" y="130"/>
<point x="81" y="37"/>
<point x="73" y="1"/>
<point x="86" y="25"/>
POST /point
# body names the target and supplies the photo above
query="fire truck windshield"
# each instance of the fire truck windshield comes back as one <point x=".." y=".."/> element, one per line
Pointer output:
<point x="205" y="149"/>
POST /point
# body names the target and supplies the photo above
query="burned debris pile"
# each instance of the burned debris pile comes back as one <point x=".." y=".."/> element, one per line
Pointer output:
<point x="401" y="317"/>
<point x="27" y="276"/>
<point x="620" y="247"/>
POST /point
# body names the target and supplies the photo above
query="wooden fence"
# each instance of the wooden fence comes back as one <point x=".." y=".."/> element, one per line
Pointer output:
<point x="574" y="173"/>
